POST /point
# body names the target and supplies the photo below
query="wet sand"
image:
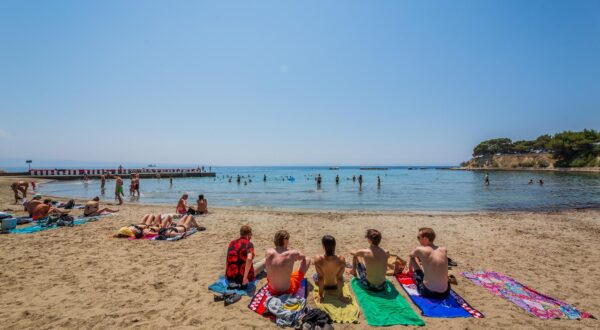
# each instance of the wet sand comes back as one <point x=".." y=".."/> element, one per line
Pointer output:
<point x="80" y="277"/>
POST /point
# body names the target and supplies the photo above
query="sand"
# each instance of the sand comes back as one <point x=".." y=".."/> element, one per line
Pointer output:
<point x="81" y="278"/>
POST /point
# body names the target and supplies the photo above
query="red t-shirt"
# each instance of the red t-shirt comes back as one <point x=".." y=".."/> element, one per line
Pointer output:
<point x="237" y="254"/>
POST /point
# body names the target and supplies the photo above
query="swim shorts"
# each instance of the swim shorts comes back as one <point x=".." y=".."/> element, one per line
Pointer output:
<point x="295" y="281"/>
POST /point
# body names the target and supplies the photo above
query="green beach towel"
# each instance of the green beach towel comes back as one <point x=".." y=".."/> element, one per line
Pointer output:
<point x="385" y="308"/>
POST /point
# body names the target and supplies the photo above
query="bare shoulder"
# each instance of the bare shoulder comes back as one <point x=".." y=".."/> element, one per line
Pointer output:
<point x="270" y="252"/>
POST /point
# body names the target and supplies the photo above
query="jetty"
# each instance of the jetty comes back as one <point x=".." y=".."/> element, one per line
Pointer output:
<point x="78" y="174"/>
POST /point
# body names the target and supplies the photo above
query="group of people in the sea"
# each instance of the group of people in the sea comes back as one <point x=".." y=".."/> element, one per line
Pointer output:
<point x="486" y="180"/>
<point x="427" y="262"/>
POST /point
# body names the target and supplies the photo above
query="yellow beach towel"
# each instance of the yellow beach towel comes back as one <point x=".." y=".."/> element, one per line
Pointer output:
<point x="340" y="312"/>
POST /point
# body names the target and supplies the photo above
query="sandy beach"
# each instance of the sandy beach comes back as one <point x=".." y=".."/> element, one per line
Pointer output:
<point x="81" y="278"/>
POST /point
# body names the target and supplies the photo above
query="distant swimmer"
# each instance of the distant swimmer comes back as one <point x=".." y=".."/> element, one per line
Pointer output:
<point x="354" y="178"/>
<point x="319" y="180"/>
<point x="171" y="181"/>
<point x="239" y="179"/>
<point x="93" y="208"/>
<point x="486" y="180"/>
<point x="250" y="180"/>
<point x="541" y="182"/>
<point x="119" y="189"/>
<point x="245" y="183"/>
<point x="265" y="178"/>
<point x="337" y="179"/>
<point x="530" y="181"/>
<point x="378" y="182"/>
<point x="229" y="180"/>
<point x="85" y="178"/>
<point x="360" y="180"/>
<point x="102" y="181"/>
<point x="19" y="186"/>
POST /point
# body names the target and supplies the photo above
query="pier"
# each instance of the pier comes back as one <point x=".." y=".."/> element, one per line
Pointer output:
<point x="78" y="174"/>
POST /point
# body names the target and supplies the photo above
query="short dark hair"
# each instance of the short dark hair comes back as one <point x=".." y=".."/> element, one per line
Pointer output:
<point x="280" y="236"/>
<point x="427" y="232"/>
<point x="200" y="197"/>
<point x="245" y="230"/>
<point x="96" y="198"/>
<point x="374" y="235"/>
<point x="139" y="233"/>
<point x="329" y="245"/>
<point x="47" y="201"/>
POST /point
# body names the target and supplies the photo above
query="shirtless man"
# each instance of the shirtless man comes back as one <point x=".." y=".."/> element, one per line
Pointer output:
<point x="102" y="182"/>
<point x="93" y="208"/>
<point x="19" y="186"/>
<point x="369" y="265"/>
<point x="202" y="205"/>
<point x="32" y="204"/>
<point x="280" y="265"/>
<point x="330" y="269"/>
<point x="429" y="264"/>
<point x="119" y="189"/>
<point x="43" y="210"/>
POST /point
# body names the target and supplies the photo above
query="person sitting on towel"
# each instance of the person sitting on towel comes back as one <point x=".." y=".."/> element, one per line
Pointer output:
<point x="19" y="186"/>
<point x="330" y="269"/>
<point x="32" y="204"/>
<point x="202" y="205"/>
<point x="182" y="207"/>
<point x="429" y="264"/>
<point x="150" y="224"/>
<point x="279" y="261"/>
<point x="93" y="208"/>
<point x="240" y="254"/>
<point x="43" y="210"/>
<point x="370" y="265"/>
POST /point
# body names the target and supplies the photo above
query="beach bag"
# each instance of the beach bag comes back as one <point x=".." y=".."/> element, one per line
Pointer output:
<point x="191" y="211"/>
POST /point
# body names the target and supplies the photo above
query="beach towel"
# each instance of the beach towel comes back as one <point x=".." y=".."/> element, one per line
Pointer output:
<point x="386" y="307"/>
<point x="450" y="307"/>
<point x="533" y="302"/>
<point x="339" y="311"/>
<point x="257" y="303"/>
<point x="38" y="227"/>
<point x="190" y="232"/>
<point x="220" y="286"/>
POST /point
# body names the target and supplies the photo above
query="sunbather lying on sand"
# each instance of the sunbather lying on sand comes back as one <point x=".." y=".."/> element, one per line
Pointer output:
<point x="181" y="227"/>
<point x="93" y="208"/>
<point x="150" y="224"/>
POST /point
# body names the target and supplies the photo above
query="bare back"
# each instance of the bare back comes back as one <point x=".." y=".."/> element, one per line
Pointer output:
<point x="91" y="207"/>
<point x="375" y="260"/>
<point x="434" y="261"/>
<point x="280" y="265"/>
<point x="330" y="268"/>
<point x="31" y="205"/>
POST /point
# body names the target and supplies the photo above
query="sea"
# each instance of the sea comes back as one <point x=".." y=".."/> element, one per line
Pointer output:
<point x="402" y="188"/>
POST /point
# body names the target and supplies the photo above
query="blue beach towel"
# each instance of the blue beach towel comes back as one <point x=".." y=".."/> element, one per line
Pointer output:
<point x="37" y="227"/>
<point x="449" y="307"/>
<point x="220" y="286"/>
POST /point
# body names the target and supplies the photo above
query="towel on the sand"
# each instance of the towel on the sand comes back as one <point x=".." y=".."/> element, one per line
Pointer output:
<point x="220" y="286"/>
<point x="452" y="306"/>
<point x="37" y="227"/>
<point x="257" y="303"/>
<point x="531" y="301"/>
<point x="339" y="311"/>
<point x="386" y="307"/>
<point x="190" y="232"/>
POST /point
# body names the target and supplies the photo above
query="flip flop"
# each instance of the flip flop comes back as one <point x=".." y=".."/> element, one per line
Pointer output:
<point x="452" y="279"/>
<point x="452" y="263"/>
<point x="232" y="300"/>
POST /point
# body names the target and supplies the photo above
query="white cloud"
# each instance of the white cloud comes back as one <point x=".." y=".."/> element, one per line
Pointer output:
<point x="3" y="133"/>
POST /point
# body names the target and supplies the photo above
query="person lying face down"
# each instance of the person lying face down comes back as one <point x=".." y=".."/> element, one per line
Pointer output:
<point x="330" y="269"/>
<point x="280" y="262"/>
<point x="429" y="264"/>
<point x="370" y="265"/>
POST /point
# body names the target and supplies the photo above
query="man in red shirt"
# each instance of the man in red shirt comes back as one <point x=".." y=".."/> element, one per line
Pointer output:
<point x="240" y="254"/>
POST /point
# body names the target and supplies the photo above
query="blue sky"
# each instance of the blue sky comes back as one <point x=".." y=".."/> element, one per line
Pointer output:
<point x="291" y="82"/>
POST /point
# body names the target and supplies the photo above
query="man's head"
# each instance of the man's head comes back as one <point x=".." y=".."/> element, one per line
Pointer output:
<point x="374" y="236"/>
<point x="426" y="236"/>
<point x="96" y="199"/>
<point x="245" y="231"/>
<point x="328" y="242"/>
<point x="201" y="197"/>
<point x="281" y="239"/>
<point x="47" y="201"/>
<point x="37" y="196"/>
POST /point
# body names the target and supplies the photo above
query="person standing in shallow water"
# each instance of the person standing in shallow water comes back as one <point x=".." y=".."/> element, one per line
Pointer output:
<point x="378" y="182"/>
<point x="265" y="178"/>
<point x="319" y="180"/>
<point x="337" y="179"/>
<point x="360" y="180"/>
<point x="119" y="189"/>
<point x="486" y="180"/>
<point x="354" y="178"/>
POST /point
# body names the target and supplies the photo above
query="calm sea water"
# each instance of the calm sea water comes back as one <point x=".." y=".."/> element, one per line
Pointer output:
<point x="401" y="189"/>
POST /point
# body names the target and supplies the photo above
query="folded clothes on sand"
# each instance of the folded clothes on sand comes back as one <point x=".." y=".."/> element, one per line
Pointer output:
<point x="449" y="307"/>
<point x="339" y="311"/>
<point x="533" y="302"/>
<point x="386" y="307"/>
<point x="222" y="286"/>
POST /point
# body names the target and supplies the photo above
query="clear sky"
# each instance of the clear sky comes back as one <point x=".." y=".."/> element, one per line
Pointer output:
<point x="291" y="82"/>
